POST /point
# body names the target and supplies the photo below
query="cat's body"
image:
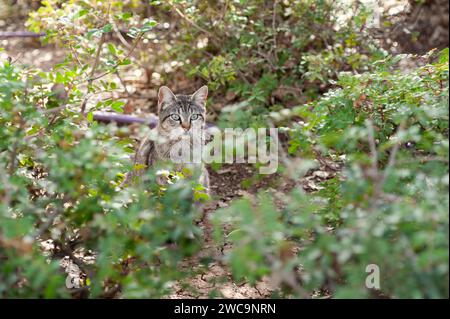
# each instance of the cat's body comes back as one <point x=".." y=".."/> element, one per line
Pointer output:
<point x="181" y="124"/>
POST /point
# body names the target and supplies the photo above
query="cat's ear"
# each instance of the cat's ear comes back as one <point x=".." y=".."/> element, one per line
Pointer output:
<point x="200" y="96"/>
<point x="165" y="96"/>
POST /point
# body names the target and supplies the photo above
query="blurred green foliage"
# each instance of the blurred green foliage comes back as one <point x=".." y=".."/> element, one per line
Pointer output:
<point x="60" y="183"/>
<point x="311" y="68"/>
<point x="389" y="207"/>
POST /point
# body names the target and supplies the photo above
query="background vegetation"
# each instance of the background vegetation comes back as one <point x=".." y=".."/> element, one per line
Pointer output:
<point x="364" y="158"/>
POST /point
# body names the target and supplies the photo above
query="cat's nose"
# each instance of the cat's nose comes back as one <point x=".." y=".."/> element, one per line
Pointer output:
<point x="186" y="126"/>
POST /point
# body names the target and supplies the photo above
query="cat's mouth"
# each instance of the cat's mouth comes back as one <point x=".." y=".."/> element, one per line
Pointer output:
<point x="183" y="135"/>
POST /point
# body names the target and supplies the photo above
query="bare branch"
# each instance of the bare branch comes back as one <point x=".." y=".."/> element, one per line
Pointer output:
<point x="123" y="83"/>
<point x="373" y="147"/>
<point x="392" y="156"/>
<point x="91" y="79"/>
<point x="97" y="58"/>
<point x="192" y="23"/>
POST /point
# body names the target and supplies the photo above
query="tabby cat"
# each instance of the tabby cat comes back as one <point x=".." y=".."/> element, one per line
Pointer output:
<point x="181" y="123"/>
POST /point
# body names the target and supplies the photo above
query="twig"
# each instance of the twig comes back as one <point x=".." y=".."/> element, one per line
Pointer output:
<point x="224" y="11"/>
<point x="244" y="77"/>
<point x="97" y="58"/>
<point x="374" y="172"/>
<point x="392" y="156"/>
<point x="13" y="154"/>
<point x="268" y="60"/>
<point x="19" y="56"/>
<point x="192" y="23"/>
<point x="274" y="26"/>
<point x="29" y="137"/>
<point x="91" y="79"/>
<point x="123" y="83"/>
<point x="120" y="36"/>
<point x="83" y="104"/>
<point x="373" y="147"/>
<point x="99" y="49"/>
<point x="55" y="109"/>
<point x="288" y="277"/>
<point x="75" y="55"/>
<point x="12" y="158"/>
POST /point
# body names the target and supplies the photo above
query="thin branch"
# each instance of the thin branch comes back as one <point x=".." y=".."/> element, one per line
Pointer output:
<point x="392" y="156"/>
<point x="192" y="23"/>
<point x="99" y="49"/>
<point x="374" y="172"/>
<point x="97" y="58"/>
<point x="123" y="83"/>
<point x="224" y="11"/>
<point x="75" y="55"/>
<point x="84" y="103"/>
<point x="274" y="25"/>
<point x="55" y="109"/>
<point x="373" y="147"/>
<point x="119" y="35"/>
<point x="12" y="158"/>
<point x="91" y="79"/>
<point x="19" y="56"/>
<point x="13" y="154"/>
<point x="268" y="60"/>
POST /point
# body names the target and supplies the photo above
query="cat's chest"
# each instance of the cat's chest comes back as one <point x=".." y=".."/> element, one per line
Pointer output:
<point x="179" y="150"/>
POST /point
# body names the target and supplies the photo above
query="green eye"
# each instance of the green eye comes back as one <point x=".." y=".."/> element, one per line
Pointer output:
<point x="175" y="117"/>
<point x="194" y="117"/>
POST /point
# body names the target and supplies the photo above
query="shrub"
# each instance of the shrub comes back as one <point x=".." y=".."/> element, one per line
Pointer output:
<point x="59" y="187"/>
<point x="389" y="207"/>
<point x="300" y="65"/>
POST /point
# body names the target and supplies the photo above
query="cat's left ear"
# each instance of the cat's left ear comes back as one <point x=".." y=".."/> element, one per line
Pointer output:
<point x="200" y="96"/>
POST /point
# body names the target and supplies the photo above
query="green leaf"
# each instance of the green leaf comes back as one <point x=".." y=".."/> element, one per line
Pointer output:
<point x="112" y="49"/>
<point x="80" y="13"/>
<point x="148" y="25"/>
<point x="90" y="116"/>
<point x="443" y="56"/>
<point x="107" y="28"/>
<point x="118" y="106"/>
<point x="91" y="32"/>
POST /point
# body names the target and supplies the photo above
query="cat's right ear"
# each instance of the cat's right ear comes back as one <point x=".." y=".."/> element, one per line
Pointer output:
<point x="165" y="97"/>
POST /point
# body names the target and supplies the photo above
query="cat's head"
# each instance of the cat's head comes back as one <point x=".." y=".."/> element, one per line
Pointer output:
<point x="181" y="114"/>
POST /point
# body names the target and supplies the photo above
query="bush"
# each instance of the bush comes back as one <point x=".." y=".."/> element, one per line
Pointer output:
<point x="389" y="207"/>
<point x="303" y="66"/>
<point x="60" y="187"/>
